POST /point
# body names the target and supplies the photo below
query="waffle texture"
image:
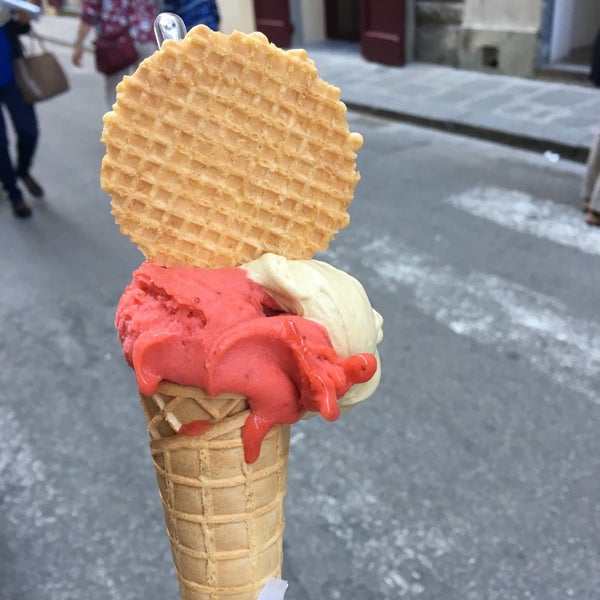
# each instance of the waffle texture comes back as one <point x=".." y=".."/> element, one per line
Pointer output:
<point x="225" y="518"/>
<point x="221" y="148"/>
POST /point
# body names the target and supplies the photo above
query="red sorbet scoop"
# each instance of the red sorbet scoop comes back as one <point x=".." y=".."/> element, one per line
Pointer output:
<point x="218" y="330"/>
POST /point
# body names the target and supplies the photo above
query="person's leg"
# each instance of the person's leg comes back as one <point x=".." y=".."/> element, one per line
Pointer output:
<point x="110" y="83"/>
<point x="8" y="178"/>
<point x="592" y="171"/>
<point x="144" y="50"/>
<point x="7" y="173"/>
<point x="593" y="216"/>
<point x="26" y="127"/>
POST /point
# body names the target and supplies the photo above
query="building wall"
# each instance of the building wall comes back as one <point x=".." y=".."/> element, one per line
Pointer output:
<point x="308" y="17"/>
<point x="562" y="26"/>
<point x="574" y="25"/>
<point x="586" y="22"/>
<point x="237" y="14"/>
<point x="437" y="30"/>
<point x="500" y="36"/>
<point x="515" y="15"/>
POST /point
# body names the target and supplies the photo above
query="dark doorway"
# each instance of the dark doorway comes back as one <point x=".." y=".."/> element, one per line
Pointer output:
<point x="342" y="18"/>
<point x="382" y="35"/>
<point x="273" y="19"/>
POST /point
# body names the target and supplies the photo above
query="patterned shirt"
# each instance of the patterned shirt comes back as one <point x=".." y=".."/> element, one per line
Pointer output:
<point x="110" y="16"/>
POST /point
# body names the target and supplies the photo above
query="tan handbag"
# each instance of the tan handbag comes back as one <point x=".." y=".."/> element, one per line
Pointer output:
<point x="38" y="74"/>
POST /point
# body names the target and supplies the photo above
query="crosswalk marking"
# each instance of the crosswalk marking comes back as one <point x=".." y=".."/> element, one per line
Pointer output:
<point x="494" y="311"/>
<point x="522" y="212"/>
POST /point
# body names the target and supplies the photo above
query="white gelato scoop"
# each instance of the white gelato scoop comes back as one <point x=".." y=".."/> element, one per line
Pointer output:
<point x="318" y="291"/>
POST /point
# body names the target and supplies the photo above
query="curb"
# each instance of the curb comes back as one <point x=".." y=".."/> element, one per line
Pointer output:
<point x="567" y="151"/>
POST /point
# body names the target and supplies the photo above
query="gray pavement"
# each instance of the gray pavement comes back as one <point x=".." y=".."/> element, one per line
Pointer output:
<point x="471" y="474"/>
<point x="532" y="114"/>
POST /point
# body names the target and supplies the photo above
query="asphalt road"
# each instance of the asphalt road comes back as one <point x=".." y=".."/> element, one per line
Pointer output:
<point x="473" y="473"/>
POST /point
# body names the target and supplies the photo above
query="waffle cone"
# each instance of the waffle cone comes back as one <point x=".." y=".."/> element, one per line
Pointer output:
<point x="224" y="517"/>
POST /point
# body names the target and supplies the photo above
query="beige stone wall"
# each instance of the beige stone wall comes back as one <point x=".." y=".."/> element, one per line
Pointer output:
<point x="512" y="52"/>
<point x="502" y="36"/>
<point x="312" y="14"/>
<point x="437" y="30"/>
<point x="514" y="15"/>
<point x="237" y="14"/>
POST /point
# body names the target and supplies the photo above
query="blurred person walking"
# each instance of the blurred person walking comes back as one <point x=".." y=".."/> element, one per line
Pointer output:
<point x="591" y="184"/>
<point x="595" y="69"/>
<point x="195" y="12"/>
<point x="591" y="181"/>
<point x="108" y="17"/>
<point x="22" y="115"/>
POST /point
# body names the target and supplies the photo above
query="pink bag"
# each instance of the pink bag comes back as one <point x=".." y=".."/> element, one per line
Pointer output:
<point x="115" y="52"/>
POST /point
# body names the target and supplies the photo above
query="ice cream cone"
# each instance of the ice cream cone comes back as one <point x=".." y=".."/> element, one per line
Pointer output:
<point x="224" y="517"/>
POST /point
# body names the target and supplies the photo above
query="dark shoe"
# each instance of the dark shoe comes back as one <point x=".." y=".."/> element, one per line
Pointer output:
<point x="21" y="210"/>
<point x="593" y="218"/>
<point x="33" y="187"/>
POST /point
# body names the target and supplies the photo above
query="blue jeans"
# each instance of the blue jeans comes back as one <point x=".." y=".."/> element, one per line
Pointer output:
<point x="24" y="121"/>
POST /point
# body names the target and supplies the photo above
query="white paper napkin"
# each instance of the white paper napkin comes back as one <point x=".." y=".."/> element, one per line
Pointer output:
<point x="273" y="590"/>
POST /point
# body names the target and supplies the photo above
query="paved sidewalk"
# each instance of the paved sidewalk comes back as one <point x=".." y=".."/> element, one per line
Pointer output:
<point x="534" y="114"/>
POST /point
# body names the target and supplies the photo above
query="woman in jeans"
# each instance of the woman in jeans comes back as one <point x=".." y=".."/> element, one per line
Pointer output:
<point x="108" y="17"/>
<point x="22" y="116"/>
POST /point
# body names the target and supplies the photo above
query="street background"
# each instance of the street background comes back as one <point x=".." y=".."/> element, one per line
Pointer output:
<point x="472" y="473"/>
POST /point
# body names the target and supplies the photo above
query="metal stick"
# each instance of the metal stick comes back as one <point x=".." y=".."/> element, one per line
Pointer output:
<point x="168" y="26"/>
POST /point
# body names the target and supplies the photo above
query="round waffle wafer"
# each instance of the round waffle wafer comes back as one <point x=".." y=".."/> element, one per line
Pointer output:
<point x="221" y="148"/>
